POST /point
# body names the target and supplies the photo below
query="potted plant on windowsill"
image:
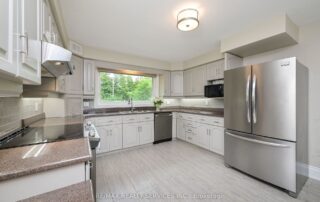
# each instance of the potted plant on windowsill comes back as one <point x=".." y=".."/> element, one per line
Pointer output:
<point x="157" y="103"/>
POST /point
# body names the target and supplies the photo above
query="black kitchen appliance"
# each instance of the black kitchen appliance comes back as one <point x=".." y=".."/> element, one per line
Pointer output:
<point x="213" y="90"/>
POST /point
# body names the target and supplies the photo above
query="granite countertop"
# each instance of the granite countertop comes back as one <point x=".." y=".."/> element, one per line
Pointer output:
<point x="80" y="192"/>
<point x="191" y="110"/>
<point x="21" y="161"/>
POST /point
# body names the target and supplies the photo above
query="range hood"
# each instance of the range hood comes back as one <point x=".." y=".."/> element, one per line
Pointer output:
<point x="55" y="59"/>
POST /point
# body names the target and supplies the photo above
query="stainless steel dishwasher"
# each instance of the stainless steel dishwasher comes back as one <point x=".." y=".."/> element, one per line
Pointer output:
<point x="162" y="127"/>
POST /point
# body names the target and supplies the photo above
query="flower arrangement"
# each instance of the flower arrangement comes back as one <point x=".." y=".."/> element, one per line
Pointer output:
<point x="157" y="101"/>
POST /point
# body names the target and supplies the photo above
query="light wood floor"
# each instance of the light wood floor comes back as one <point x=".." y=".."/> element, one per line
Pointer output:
<point x="180" y="171"/>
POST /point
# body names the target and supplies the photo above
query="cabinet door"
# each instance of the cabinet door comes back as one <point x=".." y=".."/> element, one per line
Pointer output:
<point x="146" y="130"/>
<point x="7" y="39"/>
<point x="167" y="84"/>
<point x="180" y="129"/>
<point x="198" y="80"/>
<point x="130" y="135"/>
<point x="203" y="139"/>
<point x="89" y="78"/>
<point x="103" y="133"/>
<point x="46" y="21"/>
<point x="177" y="83"/>
<point x="216" y="139"/>
<point x="187" y="82"/>
<point x="219" y="140"/>
<point x="29" y="65"/>
<point x="74" y="81"/>
<point x="211" y="71"/>
<point x="115" y="137"/>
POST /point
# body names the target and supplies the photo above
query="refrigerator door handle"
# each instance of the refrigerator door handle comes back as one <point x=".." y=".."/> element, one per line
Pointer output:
<point x="247" y="99"/>
<point x="254" y="86"/>
<point x="258" y="141"/>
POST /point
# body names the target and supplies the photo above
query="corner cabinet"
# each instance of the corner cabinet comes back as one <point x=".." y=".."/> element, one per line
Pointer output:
<point x="176" y="80"/>
<point x="89" y="71"/>
<point x="20" y="43"/>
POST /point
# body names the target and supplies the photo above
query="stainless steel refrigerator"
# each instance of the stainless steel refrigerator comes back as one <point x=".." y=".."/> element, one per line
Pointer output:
<point x="266" y="121"/>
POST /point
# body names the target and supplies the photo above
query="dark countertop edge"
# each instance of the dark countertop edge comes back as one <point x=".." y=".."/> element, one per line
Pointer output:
<point x="189" y="111"/>
<point x="48" y="166"/>
<point x="44" y="168"/>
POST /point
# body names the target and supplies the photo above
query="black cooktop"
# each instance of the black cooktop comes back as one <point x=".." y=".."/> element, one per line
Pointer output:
<point x="45" y="134"/>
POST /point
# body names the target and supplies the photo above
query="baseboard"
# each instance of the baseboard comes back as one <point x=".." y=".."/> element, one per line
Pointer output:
<point x="314" y="172"/>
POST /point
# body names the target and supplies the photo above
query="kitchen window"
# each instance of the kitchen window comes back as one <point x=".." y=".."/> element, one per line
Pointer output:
<point x="116" y="87"/>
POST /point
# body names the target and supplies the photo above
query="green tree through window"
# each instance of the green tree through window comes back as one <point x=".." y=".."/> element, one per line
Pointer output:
<point x="121" y="87"/>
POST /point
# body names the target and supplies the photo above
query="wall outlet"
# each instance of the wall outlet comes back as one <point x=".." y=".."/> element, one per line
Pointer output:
<point x="167" y="102"/>
<point x="206" y="102"/>
<point x="86" y="104"/>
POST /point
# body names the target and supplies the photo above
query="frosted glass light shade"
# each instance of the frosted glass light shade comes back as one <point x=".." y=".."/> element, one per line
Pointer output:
<point x="187" y="19"/>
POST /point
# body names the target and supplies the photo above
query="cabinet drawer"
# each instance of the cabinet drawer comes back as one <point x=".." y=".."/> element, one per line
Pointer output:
<point x="185" y="116"/>
<point x="145" y="117"/>
<point x="210" y="120"/>
<point x="101" y="121"/>
<point x="130" y="118"/>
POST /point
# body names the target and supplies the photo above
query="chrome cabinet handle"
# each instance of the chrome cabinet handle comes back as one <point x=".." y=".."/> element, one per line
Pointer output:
<point x="258" y="141"/>
<point x="247" y="99"/>
<point x="25" y="44"/>
<point x="254" y="85"/>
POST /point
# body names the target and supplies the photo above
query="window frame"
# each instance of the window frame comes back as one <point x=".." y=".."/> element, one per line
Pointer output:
<point x="98" y="103"/>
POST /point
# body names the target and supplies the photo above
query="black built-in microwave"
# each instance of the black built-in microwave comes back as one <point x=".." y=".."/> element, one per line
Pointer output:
<point x="214" y="90"/>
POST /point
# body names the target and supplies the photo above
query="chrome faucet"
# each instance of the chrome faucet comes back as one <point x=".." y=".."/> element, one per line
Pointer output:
<point x="130" y="102"/>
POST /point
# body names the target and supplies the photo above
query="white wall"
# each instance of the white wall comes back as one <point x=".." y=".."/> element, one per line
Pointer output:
<point x="308" y="53"/>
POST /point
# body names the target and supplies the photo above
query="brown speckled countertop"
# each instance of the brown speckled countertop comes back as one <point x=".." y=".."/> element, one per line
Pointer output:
<point x="80" y="192"/>
<point x="124" y="111"/>
<point x="20" y="161"/>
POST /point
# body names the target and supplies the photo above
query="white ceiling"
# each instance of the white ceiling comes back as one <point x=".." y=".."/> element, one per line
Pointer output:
<point x="148" y="27"/>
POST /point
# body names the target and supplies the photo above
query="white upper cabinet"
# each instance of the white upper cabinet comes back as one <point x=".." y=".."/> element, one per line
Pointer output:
<point x="176" y="78"/>
<point x="89" y="78"/>
<point x="20" y="42"/>
<point x="187" y="82"/>
<point x="198" y="80"/>
<point x="50" y="31"/>
<point x="7" y="39"/>
<point x="29" y="41"/>
<point x="215" y="70"/>
<point x="194" y="81"/>
<point x="167" y="84"/>
<point x="74" y="82"/>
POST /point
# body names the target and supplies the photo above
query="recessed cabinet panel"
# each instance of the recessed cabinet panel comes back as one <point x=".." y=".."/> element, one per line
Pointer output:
<point x="29" y="46"/>
<point x="177" y="83"/>
<point x="130" y="135"/>
<point x="74" y="81"/>
<point x="89" y="78"/>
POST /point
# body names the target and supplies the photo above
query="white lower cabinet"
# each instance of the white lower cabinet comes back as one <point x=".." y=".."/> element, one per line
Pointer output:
<point x="203" y="136"/>
<point x="181" y="134"/>
<point x="135" y="134"/>
<point x="204" y="131"/>
<point x="146" y="132"/>
<point x="130" y="135"/>
<point x="110" y="138"/>
<point x="217" y="139"/>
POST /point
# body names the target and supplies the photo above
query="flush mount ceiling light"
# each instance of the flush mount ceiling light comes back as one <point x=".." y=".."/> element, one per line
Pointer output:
<point x="187" y="19"/>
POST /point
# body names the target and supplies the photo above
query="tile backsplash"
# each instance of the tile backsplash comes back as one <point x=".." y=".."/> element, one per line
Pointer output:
<point x="12" y="110"/>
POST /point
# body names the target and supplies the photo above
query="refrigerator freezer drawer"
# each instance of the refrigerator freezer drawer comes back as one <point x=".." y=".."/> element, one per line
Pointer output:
<point x="273" y="161"/>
